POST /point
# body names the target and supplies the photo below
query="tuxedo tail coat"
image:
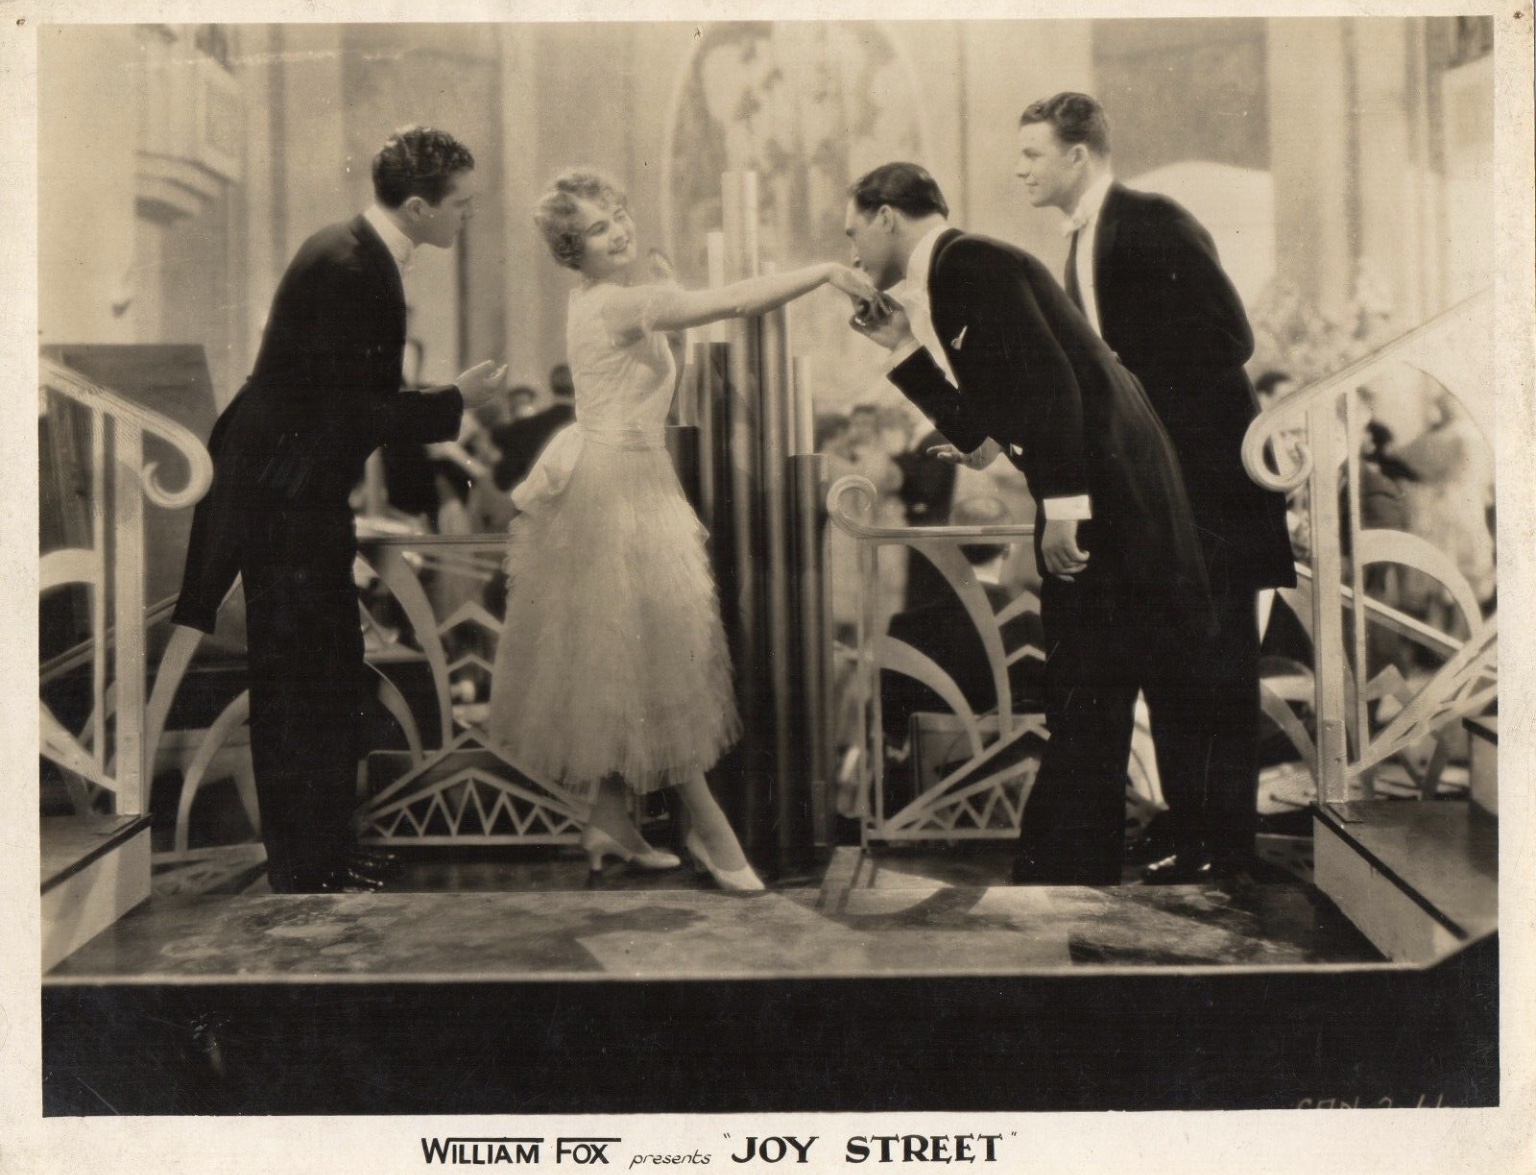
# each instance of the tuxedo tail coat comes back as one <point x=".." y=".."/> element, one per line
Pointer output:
<point x="1035" y="377"/>
<point x="1173" y="317"/>
<point x="325" y="392"/>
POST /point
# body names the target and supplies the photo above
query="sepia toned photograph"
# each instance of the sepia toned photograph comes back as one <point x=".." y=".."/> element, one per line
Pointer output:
<point x="771" y="566"/>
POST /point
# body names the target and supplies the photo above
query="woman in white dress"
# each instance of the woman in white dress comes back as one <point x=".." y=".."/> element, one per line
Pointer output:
<point x="612" y="669"/>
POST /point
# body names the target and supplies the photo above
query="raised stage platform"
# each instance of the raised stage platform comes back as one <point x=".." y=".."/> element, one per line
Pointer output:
<point x="905" y="980"/>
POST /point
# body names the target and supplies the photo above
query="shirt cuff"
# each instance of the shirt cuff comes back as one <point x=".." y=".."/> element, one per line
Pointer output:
<point x="901" y="354"/>
<point x="1076" y="509"/>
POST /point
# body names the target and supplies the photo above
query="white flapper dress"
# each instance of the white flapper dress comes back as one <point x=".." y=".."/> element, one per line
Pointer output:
<point x="612" y="657"/>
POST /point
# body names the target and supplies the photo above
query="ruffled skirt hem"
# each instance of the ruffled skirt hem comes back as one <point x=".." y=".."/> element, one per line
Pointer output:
<point x="612" y="657"/>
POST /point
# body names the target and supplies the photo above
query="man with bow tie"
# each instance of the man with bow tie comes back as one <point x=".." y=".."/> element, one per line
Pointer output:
<point x="985" y="342"/>
<point x="1146" y="276"/>
<point x="325" y="392"/>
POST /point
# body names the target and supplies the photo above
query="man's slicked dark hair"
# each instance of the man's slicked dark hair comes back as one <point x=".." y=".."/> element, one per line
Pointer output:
<point x="906" y="187"/>
<point x="418" y="161"/>
<point x="1075" y="118"/>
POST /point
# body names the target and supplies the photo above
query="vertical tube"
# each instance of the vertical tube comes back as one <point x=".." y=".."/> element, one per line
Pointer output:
<point x="811" y="735"/>
<point x="128" y="618"/>
<point x="750" y="803"/>
<point x="805" y="409"/>
<point x="738" y="213"/>
<point x="867" y="688"/>
<point x="751" y="253"/>
<point x="684" y="449"/>
<point x="814" y="735"/>
<point x="715" y="249"/>
<point x="1357" y="614"/>
<point x="791" y="797"/>
<point x="101" y="537"/>
<point x="1327" y="603"/>
<point x="718" y="486"/>
<point x="754" y="685"/>
<point x="703" y="367"/>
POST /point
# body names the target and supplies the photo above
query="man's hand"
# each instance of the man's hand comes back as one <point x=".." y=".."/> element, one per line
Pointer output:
<point x="480" y="383"/>
<point x="890" y="329"/>
<point x="1059" y="549"/>
<point x="984" y="455"/>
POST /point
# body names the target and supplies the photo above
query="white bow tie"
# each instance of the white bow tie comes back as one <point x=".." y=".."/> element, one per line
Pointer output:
<point x="1074" y="223"/>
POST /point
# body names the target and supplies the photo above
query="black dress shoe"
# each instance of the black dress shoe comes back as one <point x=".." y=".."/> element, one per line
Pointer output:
<point x="381" y="862"/>
<point x="344" y="879"/>
<point x="1191" y="867"/>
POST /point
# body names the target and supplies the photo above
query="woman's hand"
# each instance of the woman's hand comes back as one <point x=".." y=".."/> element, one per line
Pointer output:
<point x="855" y="283"/>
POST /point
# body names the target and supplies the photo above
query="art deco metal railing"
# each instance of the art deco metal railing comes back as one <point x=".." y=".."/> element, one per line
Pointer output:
<point x="444" y="780"/>
<point x="453" y="785"/>
<point x="108" y="761"/>
<point x="1309" y="441"/>
<point x="1343" y="734"/>
<point x="981" y="793"/>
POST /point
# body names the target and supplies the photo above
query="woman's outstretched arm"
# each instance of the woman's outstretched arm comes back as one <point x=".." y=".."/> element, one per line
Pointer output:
<point x="672" y="308"/>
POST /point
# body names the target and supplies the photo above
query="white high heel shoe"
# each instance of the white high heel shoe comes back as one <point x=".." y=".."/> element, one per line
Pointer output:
<point x="597" y="844"/>
<point x="742" y="880"/>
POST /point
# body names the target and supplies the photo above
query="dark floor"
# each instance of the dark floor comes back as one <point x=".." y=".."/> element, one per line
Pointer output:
<point x="538" y="915"/>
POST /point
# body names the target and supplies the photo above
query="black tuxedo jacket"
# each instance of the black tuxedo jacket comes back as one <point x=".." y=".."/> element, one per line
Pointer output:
<point x="1168" y="310"/>
<point x="324" y="394"/>
<point x="1035" y="377"/>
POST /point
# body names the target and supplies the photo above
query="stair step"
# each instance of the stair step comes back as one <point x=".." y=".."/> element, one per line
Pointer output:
<point x="71" y="844"/>
<point x="1419" y="878"/>
<point x="94" y="869"/>
<point x="1484" y="748"/>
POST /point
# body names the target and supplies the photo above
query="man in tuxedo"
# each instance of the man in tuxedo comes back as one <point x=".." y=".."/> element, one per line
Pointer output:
<point x="325" y="392"/>
<point x="990" y="348"/>
<point x="1146" y="276"/>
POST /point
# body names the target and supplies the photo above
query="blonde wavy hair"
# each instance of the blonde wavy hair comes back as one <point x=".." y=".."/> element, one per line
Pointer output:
<point x="555" y="213"/>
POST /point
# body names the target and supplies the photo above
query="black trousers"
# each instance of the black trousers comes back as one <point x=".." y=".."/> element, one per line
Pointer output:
<point x="1101" y="644"/>
<point x="306" y="677"/>
<point x="1204" y="706"/>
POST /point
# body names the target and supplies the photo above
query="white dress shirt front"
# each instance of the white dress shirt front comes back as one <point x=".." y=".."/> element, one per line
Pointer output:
<point x="1085" y="222"/>
<point x="913" y="296"/>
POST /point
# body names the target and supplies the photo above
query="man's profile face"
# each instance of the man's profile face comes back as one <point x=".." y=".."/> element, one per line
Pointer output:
<point x="1052" y="172"/>
<point x="442" y="223"/>
<point x="874" y="244"/>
